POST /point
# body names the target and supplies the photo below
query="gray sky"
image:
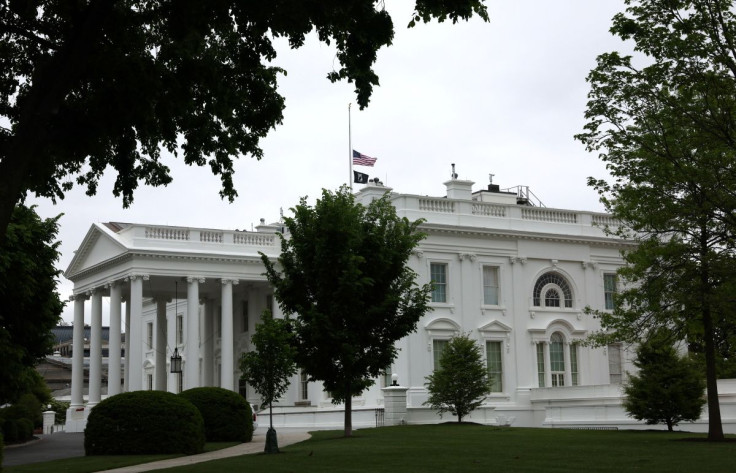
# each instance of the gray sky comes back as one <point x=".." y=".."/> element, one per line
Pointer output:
<point x="504" y="97"/>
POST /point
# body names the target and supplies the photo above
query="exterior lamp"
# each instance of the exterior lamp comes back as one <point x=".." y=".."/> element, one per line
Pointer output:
<point x="176" y="361"/>
<point x="394" y="379"/>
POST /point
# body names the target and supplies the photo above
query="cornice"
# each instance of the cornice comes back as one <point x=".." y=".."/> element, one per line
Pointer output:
<point x="435" y="228"/>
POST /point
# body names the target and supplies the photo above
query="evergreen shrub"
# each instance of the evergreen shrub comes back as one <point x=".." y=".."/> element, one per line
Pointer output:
<point x="144" y="422"/>
<point x="2" y="447"/>
<point x="25" y="429"/>
<point x="10" y="430"/>
<point x="227" y="415"/>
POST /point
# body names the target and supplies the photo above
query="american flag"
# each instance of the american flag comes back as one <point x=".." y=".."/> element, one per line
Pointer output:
<point x="363" y="160"/>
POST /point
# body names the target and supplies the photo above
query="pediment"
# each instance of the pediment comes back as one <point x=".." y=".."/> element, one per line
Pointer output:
<point x="443" y="325"/>
<point x="495" y="326"/>
<point x="98" y="246"/>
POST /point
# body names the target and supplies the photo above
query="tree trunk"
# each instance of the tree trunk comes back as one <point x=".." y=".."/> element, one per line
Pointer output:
<point x="669" y="425"/>
<point x="348" y="414"/>
<point x="715" y="427"/>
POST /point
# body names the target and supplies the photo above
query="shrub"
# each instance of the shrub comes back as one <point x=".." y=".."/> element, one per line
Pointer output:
<point x="10" y="430"/>
<point x="2" y="447"/>
<point x="25" y="429"/>
<point x="144" y="422"/>
<point x="31" y="407"/>
<point x="227" y="415"/>
<point x="60" y="407"/>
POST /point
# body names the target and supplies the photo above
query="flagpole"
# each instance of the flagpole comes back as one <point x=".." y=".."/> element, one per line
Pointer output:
<point x="350" y="149"/>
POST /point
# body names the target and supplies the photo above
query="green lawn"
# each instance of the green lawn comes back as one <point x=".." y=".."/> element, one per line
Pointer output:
<point x="471" y="448"/>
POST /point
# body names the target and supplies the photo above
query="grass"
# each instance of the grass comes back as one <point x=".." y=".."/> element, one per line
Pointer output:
<point x="463" y="448"/>
<point x="101" y="462"/>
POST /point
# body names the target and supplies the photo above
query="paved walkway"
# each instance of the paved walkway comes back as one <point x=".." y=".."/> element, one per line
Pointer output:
<point x="63" y="445"/>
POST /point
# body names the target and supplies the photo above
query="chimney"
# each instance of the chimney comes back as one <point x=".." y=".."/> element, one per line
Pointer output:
<point x="458" y="189"/>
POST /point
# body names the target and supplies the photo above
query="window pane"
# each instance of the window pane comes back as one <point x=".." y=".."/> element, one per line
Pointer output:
<point x="540" y="364"/>
<point x="574" y="363"/>
<point x="490" y="285"/>
<point x="438" y="275"/>
<point x="438" y="346"/>
<point x="556" y="353"/>
<point x="551" y="298"/>
<point x="495" y="366"/>
<point x="609" y="289"/>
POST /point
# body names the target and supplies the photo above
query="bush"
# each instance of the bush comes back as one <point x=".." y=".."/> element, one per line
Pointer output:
<point x="144" y="422"/>
<point x="2" y="447"/>
<point x="10" y="430"/>
<point x="25" y="429"/>
<point x="60" y="407"/>
<point x="31" y="408"/>
<point x="227" y="415"/>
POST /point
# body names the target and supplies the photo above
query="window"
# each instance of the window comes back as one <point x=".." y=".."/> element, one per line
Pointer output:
<point x="438" y="275"/>
<point x="245" y="316"/>
<point x="438" y="346"/>
<point x="150" y="381"/>
<point x="495" y="366"/>
<point x="615" y="372"/>
<point x="490" y="285"/>
<point x="303" y="386"/>
<point x="609" y="289"/>
<point x="552" y="289"/>
<point x="242" y="388"/>
<point x="179" y="329"/>
<point x="540" y="364"/>
<point x="269" y="303"/>
<point x="574" y="364"/>
<point x="149" y="335"/>
<point x="557" y="359"/>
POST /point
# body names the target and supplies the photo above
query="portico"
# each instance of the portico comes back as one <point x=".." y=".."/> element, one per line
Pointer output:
<point x="181" y="288"/>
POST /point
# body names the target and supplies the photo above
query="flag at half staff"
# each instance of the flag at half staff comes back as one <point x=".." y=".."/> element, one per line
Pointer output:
<point x="360" y="178"/>
<point x="363" y="160"/>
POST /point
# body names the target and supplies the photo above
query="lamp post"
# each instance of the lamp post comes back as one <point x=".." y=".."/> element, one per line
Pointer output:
<point x="176" y="365"/>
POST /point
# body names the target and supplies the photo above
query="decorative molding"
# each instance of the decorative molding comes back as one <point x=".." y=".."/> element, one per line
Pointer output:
<point x="554" y="262"/>
<point x="418" y="253"/>
<point x="532" y="314"/>
<point x="198" y="279"/>
<point x="589" y="264"/>
<point x="468" y="256"/>
<point x="234" y="282"/>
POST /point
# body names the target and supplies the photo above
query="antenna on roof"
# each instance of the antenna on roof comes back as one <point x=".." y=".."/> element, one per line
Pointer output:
<point x="490" y="178"/>
<point x="454" y="174"/>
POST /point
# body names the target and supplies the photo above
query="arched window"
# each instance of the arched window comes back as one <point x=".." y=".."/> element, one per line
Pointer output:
<point x="557" y="359"/>
<point x="552" y="290"/>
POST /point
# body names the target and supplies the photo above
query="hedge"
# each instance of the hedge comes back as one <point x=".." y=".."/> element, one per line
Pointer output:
<point x="144" y="422"/>
<point x="227" y="415"/>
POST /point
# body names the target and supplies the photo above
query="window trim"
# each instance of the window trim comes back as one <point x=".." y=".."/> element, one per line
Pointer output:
<point x="501" y="381"/>
<point x="553" y="280"/>
<point x="497" y="267"/>
<point x="445" y="284"/>
<point x="606" y="292"/>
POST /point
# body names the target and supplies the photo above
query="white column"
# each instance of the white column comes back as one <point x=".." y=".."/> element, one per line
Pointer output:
<point x="547" y="366"/>
<point x="113" y="359"/>
<point x="191" y="349"/>
<point x="78" y="352"/>
<point x="208" y="343"/>
<point x="159" y="354"/>
<point x="95" y="349"/>
<point x="126" y="372"/>
<point x="135" y="355"/>
<point x="568" y="365"/>
<point x="227" y="377"/>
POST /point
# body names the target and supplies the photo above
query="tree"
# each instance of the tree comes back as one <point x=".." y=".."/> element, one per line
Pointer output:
<point x="664" y="122"/>
<point x="668" y="388"/>
<point x="268" y="368"/>
<point x="461" y="383"/>
<point x="344" y="276"/>
<point x="30" y="305"/>
<point x="94" y="84"/>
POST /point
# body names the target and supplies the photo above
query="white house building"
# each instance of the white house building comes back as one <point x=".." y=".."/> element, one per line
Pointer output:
<point x="515" y="276"/>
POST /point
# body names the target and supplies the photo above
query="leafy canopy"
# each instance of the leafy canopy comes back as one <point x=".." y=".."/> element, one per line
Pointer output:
<point x="30" y="306"/>
<point x="668" y="388"/>
<point x="664" y="122"/>
<point x="344" y="275"/>
<point x="91" y="85"/>
<point x="461" y="383"/>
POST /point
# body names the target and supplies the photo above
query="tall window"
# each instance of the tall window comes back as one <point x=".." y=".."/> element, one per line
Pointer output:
<point x="149" y="335"/>
<point x="269" y="303"/>
<point x="303" y="386"/>
<point x="438" y="275"/>
<point x="609" y="289"/>
<point x="557" y="359"/>
<point x="615" y="371"/>
<point x="495" y="366"/>
<point x="490" y="285"/>
<point x="179" y="329"/>
<point x="149" y="378"/>
<point x="574" y="364"/>
<point x="553" y="290"/>
<point x="438" y="346"/>
<point x="540" y="364"/>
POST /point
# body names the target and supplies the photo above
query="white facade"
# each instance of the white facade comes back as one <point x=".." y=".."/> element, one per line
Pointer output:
<point x="517" y="278"/>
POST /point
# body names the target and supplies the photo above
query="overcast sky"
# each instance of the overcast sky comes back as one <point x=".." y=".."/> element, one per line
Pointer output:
<point x="504" y="97"/>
